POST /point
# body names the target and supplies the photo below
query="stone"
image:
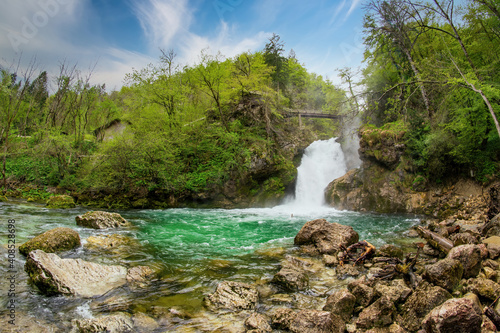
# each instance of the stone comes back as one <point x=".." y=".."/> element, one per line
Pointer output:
<point x="101" y="220"/>
<point x="456" y="315"/>
<point x="344" y="271"/>
<point x="282" y="318"/>
<point x="291" y="279"/>
<point x="115" y="323"/>
<point x="484" y="288"/>
<point x="61" y="202"/>
<point x="330" y="261"/>
<point x="379" y="314"/>
<point x="469" y="256"/>
<point x="425" y="298"/>
<point x="258" y="322"/>
<point x="493" y="246"/>
<point x="140" y="276"/>
<point x="446" y="273"/>
<point x="232" y="296"/>
<point x="342" y="303"/>
<point x="462" y="238"/>
<point x="144" y="323"/>
<point x="391" y="251"/>
<point x="114" y="243"/>
<point x="326" y="237"/>
<point x="53" y="275"/>
<point x="315" y="321"/>
<point x="396" y="290"/>
<point x="363" y="293"/>
<point x="54" y="240"/>
<point x="492" y="228"/>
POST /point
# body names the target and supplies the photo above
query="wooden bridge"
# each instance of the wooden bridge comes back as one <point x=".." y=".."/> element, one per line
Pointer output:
<point x="310" y="114"/>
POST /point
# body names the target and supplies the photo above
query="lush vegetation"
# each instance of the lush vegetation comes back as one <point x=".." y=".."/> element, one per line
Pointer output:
<point x="433" y="68"/>
<point x="213" y="130"/>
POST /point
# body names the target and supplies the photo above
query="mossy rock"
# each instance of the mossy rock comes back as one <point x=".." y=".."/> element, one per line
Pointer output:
<point x="55" y="240"/>
<point x="101" y="220"/>
<point x="61" y="202"/>
<point x="3" y="198"/>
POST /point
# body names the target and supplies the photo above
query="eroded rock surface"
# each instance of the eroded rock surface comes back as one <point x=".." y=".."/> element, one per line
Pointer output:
<point x="101" y="220"/>
<point x="232" y="296"/>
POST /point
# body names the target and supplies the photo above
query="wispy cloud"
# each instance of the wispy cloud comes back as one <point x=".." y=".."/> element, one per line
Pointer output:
<point x="354" y="5"/>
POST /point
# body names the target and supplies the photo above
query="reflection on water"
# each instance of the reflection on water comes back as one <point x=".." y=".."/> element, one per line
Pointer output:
<point x="191" y="249"/>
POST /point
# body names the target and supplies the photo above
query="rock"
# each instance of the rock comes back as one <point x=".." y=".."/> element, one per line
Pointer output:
<point x="484" y="288"/>
<point x="101" y="220"/>
<point x="54" y="240"/>
<point x="492" y="228"/>
<point x="25" y="322"/>
<point x="363" y="294"/>
<point x="330" y="261"/>
<point x="61" y="202"/>
<point x="291" y="279"/>
<point x="456" y="315"/>
<point x="326" y="237"/>
<point x="344" y="271"/>
<point x="114" y="243"/>
<point x="396" y="290"/>
<point x="282" y="318"/>
<point x="425" y="298"/>
<point x="139" y="276"/>
<point x="144" y="323"/>
<point x="112" y="304"/>
<point x="462" y="238"/>
<point x="116" y="323"/>
<point x="469" y="256"/>
<point x="378" y="314"/>
<point x="232" y="296"/>
<point x="53" y="275"/>
<point x="342" y="303"/>
<point x="391" y="251"/>
<point x="258" y="322"/>
<point x="493" y="246"/>
<point x="314" y="321"/>
<point x="446" y="273"/>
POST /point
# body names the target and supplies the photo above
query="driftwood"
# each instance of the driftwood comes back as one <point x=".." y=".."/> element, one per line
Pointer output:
<point x="492" y="314"/>
<point x="397" y="267"/>
<point x="439" y="242"/>
<point x="350" y="253"/>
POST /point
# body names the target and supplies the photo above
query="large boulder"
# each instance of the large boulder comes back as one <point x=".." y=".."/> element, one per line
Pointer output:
<point x="484" y="288"/>
<point x="314" y="321"/>
<point x="291" y="279"/>
<point x="232" y="296"/>
<point x="325" y="237"/>
<point x="54" y="240"/>
<point x="61" y="202"/>
<point x="425" y="298"/>
<point x="379" y="314"/>
<point x="101" y="220"/>
<point x="396" y="290"/>
<point x="446" y="273"/>
<point x="282" y="318"/>
<point x="469" y="256"/>
<point x="53" y="275"/>
<point x="456" y="315"/>
<point x="342" y="303"/>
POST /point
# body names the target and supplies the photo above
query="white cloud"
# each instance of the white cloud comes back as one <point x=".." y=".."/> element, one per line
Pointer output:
<point x="354" y="5"/>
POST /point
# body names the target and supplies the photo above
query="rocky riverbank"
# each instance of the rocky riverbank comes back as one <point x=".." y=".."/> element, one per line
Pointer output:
<point x="330" y="282"/>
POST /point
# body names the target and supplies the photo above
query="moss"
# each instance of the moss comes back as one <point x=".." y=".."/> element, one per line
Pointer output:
<point x="58" y="239"/>
<point x="61" y="202"/>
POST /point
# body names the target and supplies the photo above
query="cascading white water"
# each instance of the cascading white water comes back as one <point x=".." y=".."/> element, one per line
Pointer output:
<point x="323" y="161"/>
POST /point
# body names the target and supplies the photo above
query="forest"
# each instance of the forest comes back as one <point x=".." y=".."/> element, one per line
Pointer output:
<point x="431" y="69"/>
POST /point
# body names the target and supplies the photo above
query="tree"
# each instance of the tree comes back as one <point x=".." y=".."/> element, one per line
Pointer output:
<point x="273" y="55"/>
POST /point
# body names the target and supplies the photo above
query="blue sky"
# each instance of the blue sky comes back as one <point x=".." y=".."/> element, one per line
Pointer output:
<point x="119" y="35"/>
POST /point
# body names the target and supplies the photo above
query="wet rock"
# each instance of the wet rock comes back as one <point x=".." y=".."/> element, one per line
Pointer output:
<point x="391" y="251"/>
<point x="258" y="322"/>
<point x="457" y="315"/>
<point x="484" y="288"/>
<point x="344" y="271"/>
<point x="53" y="275"/>
<point x="330" y="261"/>
<point x="232" y="296"/>
<point x="396" y="290"/>
<point x="101" y="220"/>
<point x="378" y="314"/>
<point x="425" y="298"/>
<point x="61" y="202"/>
<point x="446" y="273"/>
<point x="114" y="243"/>
<point x="54" y="240"/>
<point x="493" y="246"/>
<point x="342" y="303"/>
<point x="326" y="237"/>
<point x="116" y="323"/>
<point x="282" y="318"/>
<point x="393" y="328"/>
<point x="24" y="322"/>
<point x="469" y="256"/>
<point x="112" y="304"/>
<point x="314" y="321"/>
<point x="140" y="276"/>
<point x="363" y="293"/>
<point x="144" y="323"/>
<point x="291" y="279"/>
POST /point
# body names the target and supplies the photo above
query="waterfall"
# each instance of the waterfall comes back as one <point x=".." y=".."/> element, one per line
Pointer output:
<point x="323" y="161"/>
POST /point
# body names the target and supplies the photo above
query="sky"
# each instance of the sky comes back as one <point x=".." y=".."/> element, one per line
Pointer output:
<point x="113" y="37"/>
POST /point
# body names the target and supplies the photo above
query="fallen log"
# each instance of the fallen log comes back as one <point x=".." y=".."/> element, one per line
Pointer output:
<point x="436" y="241"/>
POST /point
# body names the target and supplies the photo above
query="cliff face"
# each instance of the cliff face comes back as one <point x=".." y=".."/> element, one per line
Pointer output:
<point x="385" y="184"/>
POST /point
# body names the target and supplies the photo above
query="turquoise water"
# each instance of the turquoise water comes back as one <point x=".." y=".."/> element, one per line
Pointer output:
<point x="191" y="250"/>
